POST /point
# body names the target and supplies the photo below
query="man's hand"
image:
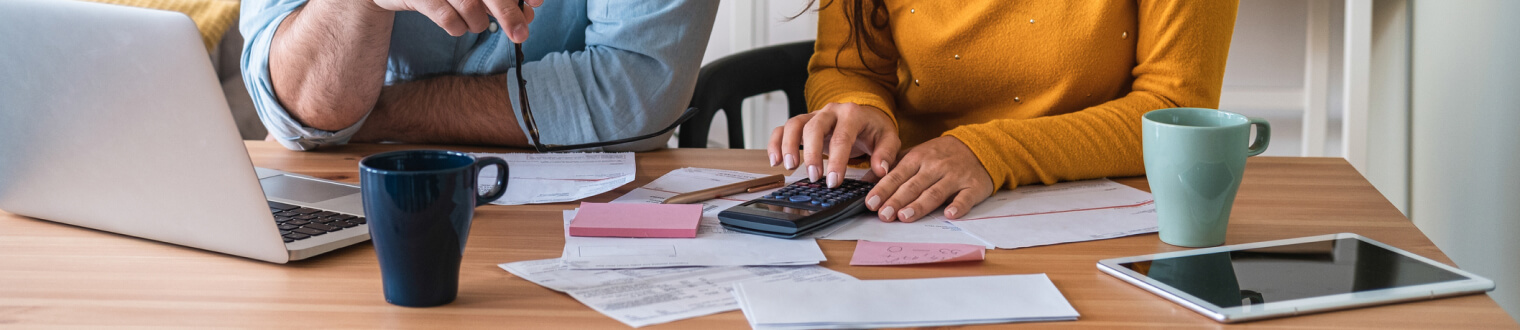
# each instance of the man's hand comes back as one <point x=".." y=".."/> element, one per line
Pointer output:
<point x="460" y="16"/>
<point x="928" y="175"/>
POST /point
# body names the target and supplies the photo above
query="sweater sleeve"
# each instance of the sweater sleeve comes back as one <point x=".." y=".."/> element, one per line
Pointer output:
<point x="844" y="70"/>
<point x="1180" y="54"/>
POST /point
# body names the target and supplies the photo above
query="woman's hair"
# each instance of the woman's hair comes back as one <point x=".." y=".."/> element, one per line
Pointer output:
<point x="860" y="18"/>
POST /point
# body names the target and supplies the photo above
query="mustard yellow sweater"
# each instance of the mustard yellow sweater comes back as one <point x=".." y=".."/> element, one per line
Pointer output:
<point x="1042" y="91"/>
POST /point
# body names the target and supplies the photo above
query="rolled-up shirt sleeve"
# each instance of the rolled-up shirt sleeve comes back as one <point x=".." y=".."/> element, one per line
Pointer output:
<point x="635" y="76"/>
<point x="260" y="19"/>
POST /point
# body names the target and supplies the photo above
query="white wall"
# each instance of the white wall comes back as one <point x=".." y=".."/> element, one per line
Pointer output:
<point x="1465" y="182"/>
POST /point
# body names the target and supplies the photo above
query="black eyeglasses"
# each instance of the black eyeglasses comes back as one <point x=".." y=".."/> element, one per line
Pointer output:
<point x="527" y="114"/>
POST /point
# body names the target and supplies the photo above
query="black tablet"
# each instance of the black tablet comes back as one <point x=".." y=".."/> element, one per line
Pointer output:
<point x="1292" y="276"/>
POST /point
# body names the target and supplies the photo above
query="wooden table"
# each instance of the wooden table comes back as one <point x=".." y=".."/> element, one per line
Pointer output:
<point x="58" y="275"/>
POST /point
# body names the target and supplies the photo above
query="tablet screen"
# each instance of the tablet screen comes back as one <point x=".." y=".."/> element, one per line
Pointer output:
<point x="1288" y="272"/>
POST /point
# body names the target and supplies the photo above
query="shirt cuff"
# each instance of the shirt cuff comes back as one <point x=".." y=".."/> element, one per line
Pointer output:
<point x="560" y="119"/>
<point x="285" y="129"/>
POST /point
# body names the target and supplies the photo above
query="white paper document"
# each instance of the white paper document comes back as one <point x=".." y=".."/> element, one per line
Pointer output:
<point x="640" y="297"/>
<point x="559" y="177"/>
<point x="903" y="303"/>
<point x="1060" y="213"/>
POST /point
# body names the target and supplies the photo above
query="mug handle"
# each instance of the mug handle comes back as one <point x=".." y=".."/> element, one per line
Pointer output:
<point x="501" y="179"/>
<point x="1263" y="137"/>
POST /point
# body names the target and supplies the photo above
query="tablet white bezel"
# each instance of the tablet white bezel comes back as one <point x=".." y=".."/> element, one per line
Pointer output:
<point x="1472" y="284"/>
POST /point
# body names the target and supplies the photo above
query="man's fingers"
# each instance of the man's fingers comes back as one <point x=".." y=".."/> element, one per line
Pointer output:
<point x="841" y="141"/>
<point x="512" y="20"/>
<point x="474" y="12"/>
<point x="443" y="14"/>
<point x="964" y="200"/>
<point x="791" y="137"/>
<point x="929" y="200"/>
<point x="813" y="143"/>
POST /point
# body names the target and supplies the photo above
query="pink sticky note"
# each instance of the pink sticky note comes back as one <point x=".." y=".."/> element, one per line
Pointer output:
<point x="868" y="253"/>
<point x="636" y="220"/>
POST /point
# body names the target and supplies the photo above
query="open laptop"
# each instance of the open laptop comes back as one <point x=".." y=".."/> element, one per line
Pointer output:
<point x="111" y="118"/>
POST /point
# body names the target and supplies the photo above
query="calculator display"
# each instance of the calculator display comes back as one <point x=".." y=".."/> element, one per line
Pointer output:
<point x="779" y="208"/>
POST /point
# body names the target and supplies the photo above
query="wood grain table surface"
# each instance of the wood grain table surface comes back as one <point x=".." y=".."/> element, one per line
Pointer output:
<point x="60" y="276"/>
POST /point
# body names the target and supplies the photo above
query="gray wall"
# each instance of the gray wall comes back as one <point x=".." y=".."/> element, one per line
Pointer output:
<point x="1465" y="153"/>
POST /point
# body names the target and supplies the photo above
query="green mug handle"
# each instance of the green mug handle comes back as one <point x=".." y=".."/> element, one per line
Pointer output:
<point x="1263" y="137"/>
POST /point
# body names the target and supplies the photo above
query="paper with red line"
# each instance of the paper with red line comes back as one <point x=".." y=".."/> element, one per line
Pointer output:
<point x="559" y="177"/>
<point x="1028" y="216"/>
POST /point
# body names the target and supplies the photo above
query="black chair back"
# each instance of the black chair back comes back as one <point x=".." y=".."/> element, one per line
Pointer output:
<point x="724" y="84"/>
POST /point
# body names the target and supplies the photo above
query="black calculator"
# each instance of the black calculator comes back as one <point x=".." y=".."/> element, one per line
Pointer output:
<point x="797" y="209"/>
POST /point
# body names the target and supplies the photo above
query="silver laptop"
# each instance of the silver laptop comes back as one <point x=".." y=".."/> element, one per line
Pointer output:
<point x="111" y="118"/>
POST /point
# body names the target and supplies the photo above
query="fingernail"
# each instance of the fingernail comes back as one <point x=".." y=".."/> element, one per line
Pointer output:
<point x="833" y="179"/>
<point x="873" y="201"/>
<point x="883" y="166"/>
<point x="520" y="33"/>
<point x="950" y="212"/>
<point x="813" y="173"/>
<point x="905" y="214"/>
<point x="773" y="160"/>
<point x="791" y="162"/>
<point x="886" y="214"/>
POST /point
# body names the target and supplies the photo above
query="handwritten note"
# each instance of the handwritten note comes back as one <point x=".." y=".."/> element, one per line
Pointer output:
<point x="868" y="253"/>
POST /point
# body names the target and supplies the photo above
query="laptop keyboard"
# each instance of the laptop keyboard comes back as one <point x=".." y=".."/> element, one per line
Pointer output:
<point x="298" y="223"/>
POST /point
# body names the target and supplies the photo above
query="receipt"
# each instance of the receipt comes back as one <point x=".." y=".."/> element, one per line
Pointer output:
<point x="562" y="177"/>
<point x="640" y="297"/>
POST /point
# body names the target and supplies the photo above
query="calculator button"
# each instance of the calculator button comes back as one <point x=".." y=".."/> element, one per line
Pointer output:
<point x="817" y="201"/>
<point x="800" y="199"/>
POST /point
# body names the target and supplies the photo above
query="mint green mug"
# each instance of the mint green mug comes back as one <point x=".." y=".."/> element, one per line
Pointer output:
<point x="1194" y="159"/>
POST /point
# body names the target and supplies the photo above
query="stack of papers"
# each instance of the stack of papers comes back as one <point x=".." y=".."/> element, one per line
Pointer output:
<point x="555" y="178"/>
<point x="636" y="220"/>
<point x="640" y="297"/>
<point x="903" y="303"/>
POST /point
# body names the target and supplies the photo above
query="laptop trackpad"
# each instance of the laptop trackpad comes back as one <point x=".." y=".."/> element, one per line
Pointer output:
<point x="303" y="190"/>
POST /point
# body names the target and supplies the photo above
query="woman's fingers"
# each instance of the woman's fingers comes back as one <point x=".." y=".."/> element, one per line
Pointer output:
<point x="813" y="134"/>
<point x="791" y="137"/>
<point x="773" y="149"/>
<point x="906" y="193"/>
<point x="887" y="146"/>
<point x="841" y="142"/>
<point x="964" y="200"/>
<point x="887" y="186"/>
<point x="927" y="201"/>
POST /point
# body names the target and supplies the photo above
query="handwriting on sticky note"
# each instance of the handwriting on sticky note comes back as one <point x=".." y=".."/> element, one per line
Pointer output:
<point x="868" y="253"/>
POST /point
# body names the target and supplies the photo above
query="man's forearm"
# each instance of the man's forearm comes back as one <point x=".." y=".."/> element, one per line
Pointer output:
<point x="445" y="110"/>
<point x="327" y="61"/>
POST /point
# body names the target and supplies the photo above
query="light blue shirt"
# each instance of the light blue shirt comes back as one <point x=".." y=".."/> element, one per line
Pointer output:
<point x="597" y="70"/>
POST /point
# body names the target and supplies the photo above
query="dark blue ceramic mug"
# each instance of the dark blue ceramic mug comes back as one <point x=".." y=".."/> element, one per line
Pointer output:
<point x="419" y="204"/>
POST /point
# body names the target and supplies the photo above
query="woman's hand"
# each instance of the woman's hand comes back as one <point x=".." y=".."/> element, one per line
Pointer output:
<point x="845" y="127"/>
<point x="928" y="175"/>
